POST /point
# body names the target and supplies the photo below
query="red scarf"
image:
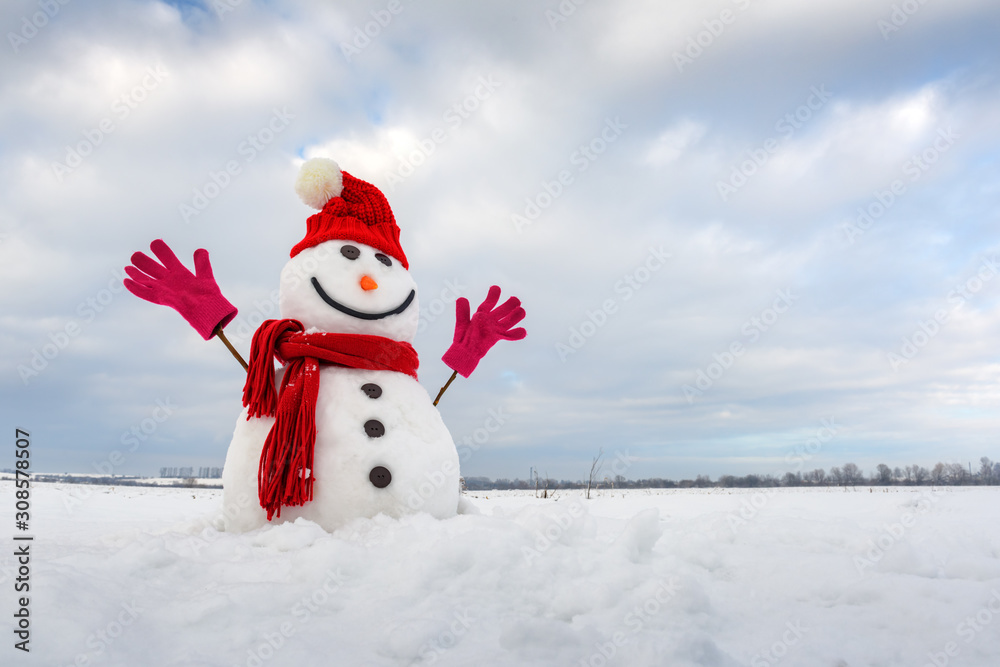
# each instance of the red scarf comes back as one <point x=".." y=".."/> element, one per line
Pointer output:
<point x="285" y="476"/>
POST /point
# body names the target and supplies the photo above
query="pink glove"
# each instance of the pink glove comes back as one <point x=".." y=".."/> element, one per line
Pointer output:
<point x="474" y="337"/>
<point x="196" y="296"/>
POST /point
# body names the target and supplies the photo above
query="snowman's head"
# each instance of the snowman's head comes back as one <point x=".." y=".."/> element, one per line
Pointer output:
<point x="344" y="286"/>
<point x="349" y="274"/>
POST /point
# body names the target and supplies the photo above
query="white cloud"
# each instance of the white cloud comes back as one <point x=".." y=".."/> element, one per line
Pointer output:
<point x="656" y="185"/>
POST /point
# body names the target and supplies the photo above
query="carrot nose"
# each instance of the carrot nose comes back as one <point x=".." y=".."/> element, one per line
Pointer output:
<point x="367" y="284"/>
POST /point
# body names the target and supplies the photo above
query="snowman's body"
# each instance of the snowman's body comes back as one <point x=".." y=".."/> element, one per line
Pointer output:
<point x="415" y="448"/>
<point x="381" y="445"/>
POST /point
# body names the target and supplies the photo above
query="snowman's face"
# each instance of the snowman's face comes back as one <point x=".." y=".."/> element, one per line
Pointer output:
<point x="349" y="287"/>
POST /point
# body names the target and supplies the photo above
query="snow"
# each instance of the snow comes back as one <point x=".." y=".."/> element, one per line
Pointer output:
<point x="830" y="577"/>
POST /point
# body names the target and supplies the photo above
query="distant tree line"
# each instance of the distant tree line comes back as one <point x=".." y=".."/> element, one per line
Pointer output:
<point x="204" y="472"/>
<point x="116" y="480"/>
<point x="942" y="474"/>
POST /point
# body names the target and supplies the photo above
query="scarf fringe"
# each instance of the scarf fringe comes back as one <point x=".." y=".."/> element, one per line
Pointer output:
<point x="285" y="477"/>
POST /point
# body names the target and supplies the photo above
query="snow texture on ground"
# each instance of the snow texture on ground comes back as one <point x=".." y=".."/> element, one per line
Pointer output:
<point x="832" y="578"/>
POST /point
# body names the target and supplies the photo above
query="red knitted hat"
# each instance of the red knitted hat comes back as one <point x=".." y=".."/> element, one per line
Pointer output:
<point x="350" y="209"/>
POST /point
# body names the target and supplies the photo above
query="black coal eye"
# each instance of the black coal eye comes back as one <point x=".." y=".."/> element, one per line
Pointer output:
<point x="350" y="252"/>
<point x="383" y="258"/>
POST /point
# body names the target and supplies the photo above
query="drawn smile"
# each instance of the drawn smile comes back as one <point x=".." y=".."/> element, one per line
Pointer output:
<point x="357" y="313"/>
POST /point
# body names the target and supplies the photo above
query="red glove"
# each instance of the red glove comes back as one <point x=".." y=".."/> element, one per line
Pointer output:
<point x="196" y="296"/>
<point x="474" y="337"/>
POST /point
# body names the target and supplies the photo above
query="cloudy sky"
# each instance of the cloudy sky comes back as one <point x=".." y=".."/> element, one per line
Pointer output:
<point x="750" y="235"/>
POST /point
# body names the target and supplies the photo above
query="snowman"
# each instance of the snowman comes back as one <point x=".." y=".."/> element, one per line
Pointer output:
<point x="342" y="430"/>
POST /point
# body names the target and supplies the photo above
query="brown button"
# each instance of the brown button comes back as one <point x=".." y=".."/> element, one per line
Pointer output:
<point x="380" y="477"/>
<point x="372" y="389"/>
<point x="374" y="428"/>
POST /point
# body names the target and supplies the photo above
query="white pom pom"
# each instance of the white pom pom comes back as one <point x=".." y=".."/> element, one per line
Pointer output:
<point x="319" y="181"/>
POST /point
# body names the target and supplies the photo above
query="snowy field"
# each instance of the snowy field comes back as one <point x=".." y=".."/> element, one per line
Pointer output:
<point x="831" y="578"/>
